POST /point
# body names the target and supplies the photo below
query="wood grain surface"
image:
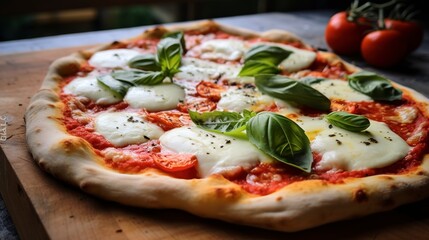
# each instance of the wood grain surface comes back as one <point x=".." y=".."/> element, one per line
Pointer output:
<point x="42" y="207"/>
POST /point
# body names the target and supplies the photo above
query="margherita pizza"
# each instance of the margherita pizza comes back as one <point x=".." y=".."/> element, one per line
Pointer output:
<point x="252" y="128"/>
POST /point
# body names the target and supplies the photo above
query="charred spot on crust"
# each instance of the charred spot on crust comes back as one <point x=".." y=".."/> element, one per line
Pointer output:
<point x="279" y="198"/>
<point x="386" y="177"/>
<point x="388" y="202"/>
<point x="84" y="185"/>
<point x="226" y="193"/>
<point x="360" y="196"/>
<point x="71" y="145"/>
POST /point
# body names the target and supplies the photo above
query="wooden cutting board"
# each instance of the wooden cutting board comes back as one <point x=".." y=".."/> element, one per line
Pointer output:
<point x="42" y="207"/>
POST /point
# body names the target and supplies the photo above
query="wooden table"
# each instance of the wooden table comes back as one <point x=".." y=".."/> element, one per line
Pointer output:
<point x="42" y="207"/>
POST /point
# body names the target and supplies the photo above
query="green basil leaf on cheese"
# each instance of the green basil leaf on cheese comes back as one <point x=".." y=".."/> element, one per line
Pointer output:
<point x="253" y="68"/>
<point x="139" y="77"/>
<point x="291" y="90"/>
<point x="375" y="86"/>
<point x="145" y="62"/>
<point x="179" y="36"/>
<point x="114" y="85"/>
<point x="228" y="123"/>
<point x="311" y="80"/>
<point x="169" y="56"/>
<point x="348" y="121"/>
<point x="266" y="53"/>
<point x="280" y="138"/>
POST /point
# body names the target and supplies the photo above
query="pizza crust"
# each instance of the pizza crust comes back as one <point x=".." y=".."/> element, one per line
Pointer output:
<point x="297" y="206"/>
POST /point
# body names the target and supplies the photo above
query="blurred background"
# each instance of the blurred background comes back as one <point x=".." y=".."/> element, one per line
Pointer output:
<point x="21" y="19"/>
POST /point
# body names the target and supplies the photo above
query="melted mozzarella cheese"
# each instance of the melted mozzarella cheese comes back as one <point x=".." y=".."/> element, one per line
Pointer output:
<point x="114" y="58"/>
<point x="375" y="147"/>
<point x="227" y="49"/>
<point x="155" y="98"/>
<point x="122" y="128"/>
<point x="216" y="153"/>
<point x="339" y="89"/>
<point x="90" y="88"/>
<point x="287" y="109"/>
<point x="297" y="60"/>
<point x="404" y="114"/>
<point x="238" y="99"/>
<point x="311" y="125"/>
<point x="197" y="70"/>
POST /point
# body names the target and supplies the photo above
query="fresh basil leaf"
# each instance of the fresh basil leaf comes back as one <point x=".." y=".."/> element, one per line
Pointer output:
<point x="280" y="138"/>
<point x="291" y="90"/>
<point x="145" y="62"/>
<point x="311" y="80"/>
<point x="252" y="68"/>
<point x="179" y="36"/>
<point x="265" y="53"/>
<point x="114" y="85"/>
<point x="228" y="123"/>
<point x="169" y="56"/>
<point x="139" y="77"/>
<point x="375" y="86"/>
<point x="348" y="121"/>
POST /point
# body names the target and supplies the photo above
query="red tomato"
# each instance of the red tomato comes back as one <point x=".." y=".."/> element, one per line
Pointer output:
<point x="383" y="48"/>
<point x="175" y="162"/>
<point x="412" y="32"/>
<point x="209" y="90"/>
<point x="168" y="120"/>
<point x="343" y="36"/>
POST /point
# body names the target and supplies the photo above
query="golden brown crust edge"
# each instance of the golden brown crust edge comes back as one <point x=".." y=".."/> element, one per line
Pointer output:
<point x="295" y="207"/>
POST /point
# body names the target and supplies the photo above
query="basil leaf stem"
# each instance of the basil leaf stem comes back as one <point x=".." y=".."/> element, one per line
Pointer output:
<point x="375" y="86"/>
<point x="290" y="90"/>
<point x="348" y="121"/>
<point x="280" y="138"/>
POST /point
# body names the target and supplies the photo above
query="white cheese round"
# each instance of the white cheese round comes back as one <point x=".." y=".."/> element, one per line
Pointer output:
<point x="114" y="58"/>
<point x="339" y="89"/>
<point x="90" y="88"/>
<point x="197" y="70"/>
<point x="227" y="49"/>
<point x="216" y="153"/>
<point x="160" y="97"/>
<point x="238" y="99"/>
<point x="376" y="147"/>
<point x="125" y="128"/>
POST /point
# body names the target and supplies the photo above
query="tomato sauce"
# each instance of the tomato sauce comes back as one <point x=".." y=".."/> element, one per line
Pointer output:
<point x="322" y="68"/>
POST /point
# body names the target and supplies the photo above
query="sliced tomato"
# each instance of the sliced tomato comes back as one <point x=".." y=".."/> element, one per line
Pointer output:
<point x="169" y="119"/>
<point x="197" y="104"/>
<point x="412" y="32"/>
<point x="175" y="162"/>
<point x="209" y="90"/>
